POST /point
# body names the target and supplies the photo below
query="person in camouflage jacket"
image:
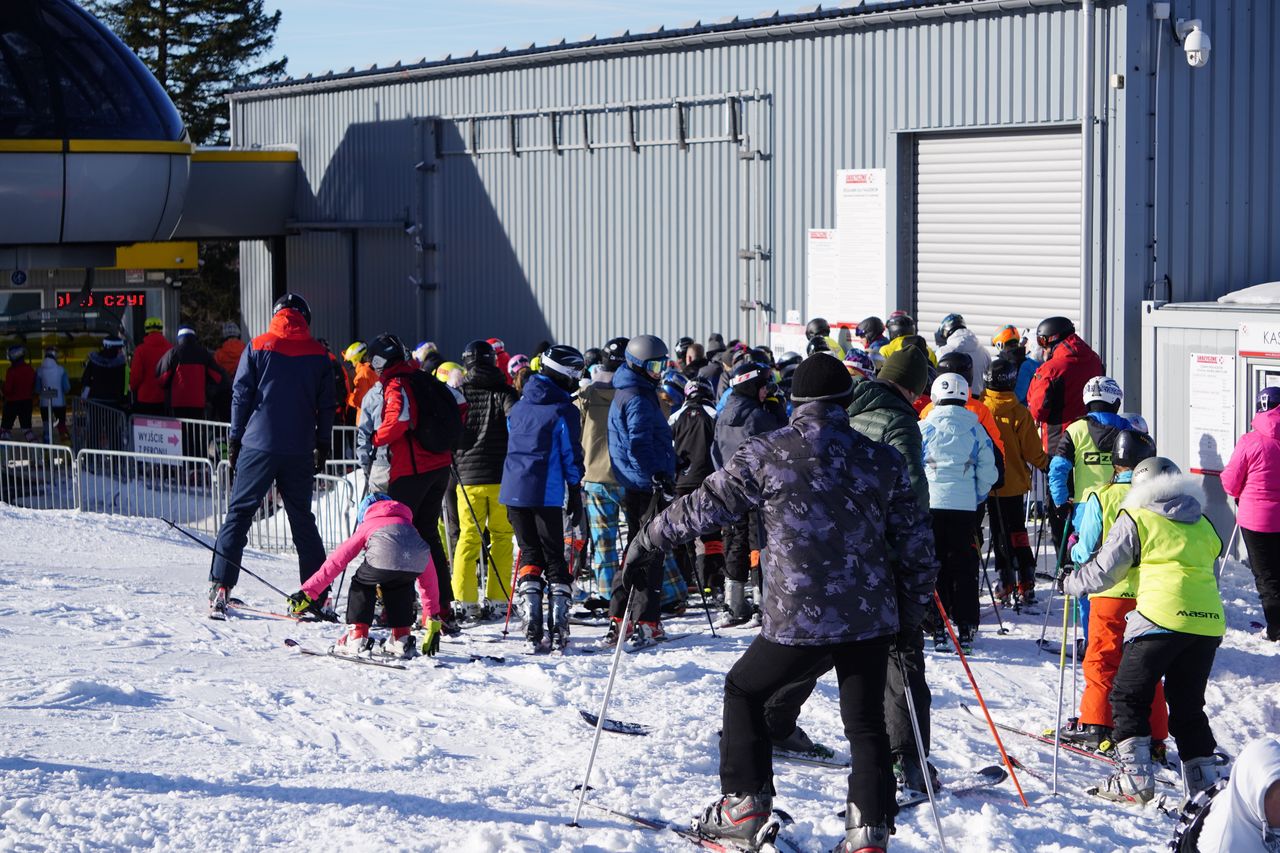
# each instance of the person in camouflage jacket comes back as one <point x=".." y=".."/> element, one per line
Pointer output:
<point x="848" y="563"/>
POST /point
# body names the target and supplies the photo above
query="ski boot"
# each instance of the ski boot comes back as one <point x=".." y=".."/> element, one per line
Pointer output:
<point x="1134" y="779"/>
<point x="1027" y="592"/>
<point x="530" y="593"/>
<point x="400" y="648"/>
<point x="466" y="613"/>
<point x="941" y="642"/>
<point x="645" y="634"/>
<point x="610" y="638"/>
<point x="1201" y="774"/>
<point x="736" y="609"/>
<point x="353" y="645"/>
<point x="967" y="633"/>
<point x="800" y="743"/>
<point x="910" y="778"/>
<point x="741" y="819"/>
<point x="860" y="837"/>
<point x="1087" y="735"/>
<point x="558" y="617"/>
<point x="218" y="602"/>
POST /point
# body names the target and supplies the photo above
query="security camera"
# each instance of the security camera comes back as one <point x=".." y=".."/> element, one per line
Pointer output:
<point x="1194" y="42"/>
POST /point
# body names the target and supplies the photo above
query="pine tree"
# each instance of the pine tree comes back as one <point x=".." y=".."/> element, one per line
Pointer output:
<point x="198" y="49"/>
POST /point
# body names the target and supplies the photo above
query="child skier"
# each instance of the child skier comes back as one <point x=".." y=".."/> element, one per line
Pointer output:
<point x="1083" y="458"/>
<point x="395" y="557"/>
<point x="1162" y="539"/>
<point x="959" y="463"/>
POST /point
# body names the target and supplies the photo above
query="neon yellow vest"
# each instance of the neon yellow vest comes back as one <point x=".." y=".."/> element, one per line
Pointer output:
<point x="1091" y="469"/>
<point x="1109" y="498"/>
<point x="1175" y="584"/>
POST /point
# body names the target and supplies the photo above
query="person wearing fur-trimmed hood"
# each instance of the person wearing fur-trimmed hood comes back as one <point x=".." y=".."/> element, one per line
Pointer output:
<point x="1161" y="536"/>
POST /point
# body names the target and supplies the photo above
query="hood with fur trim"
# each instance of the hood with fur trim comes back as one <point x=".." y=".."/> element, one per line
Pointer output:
<point x="1177" y="497"/>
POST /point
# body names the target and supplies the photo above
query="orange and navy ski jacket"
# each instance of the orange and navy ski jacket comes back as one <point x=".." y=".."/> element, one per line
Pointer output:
<point x="144" y="379"/>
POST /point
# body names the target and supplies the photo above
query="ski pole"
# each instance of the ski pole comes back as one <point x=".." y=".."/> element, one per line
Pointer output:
<point x="955" y="641"/>
<point x="511" y="597"/>
<point x="1062" y="671"/>
<point x="486" y="558"/>
<point x="604" y="707"/>
<point x="924" y="756"/>
<point x="218" y="553"/>
<point x="1076" y="613"/>
<point x="1056" y="573"/>
<point x="1220" y="566"/>
<point x="986" y="577"/>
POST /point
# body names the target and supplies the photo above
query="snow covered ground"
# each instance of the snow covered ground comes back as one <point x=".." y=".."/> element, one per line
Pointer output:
<point x="129" y="720"/>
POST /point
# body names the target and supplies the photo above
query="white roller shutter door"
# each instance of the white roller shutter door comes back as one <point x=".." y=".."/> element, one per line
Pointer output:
<point x="997" y="229"/>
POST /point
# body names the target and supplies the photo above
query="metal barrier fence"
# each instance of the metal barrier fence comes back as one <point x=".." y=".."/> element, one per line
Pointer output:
<point x="95" y="426"/>
<point x="37" y="476"/>
<point x="344" y="442"/>
<point x="143" y="485"/>
<point x="205" y="438"/>
<point x="332" y="504"/>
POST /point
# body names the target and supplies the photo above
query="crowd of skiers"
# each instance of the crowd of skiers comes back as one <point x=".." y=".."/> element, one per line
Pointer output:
<point x="836" y="498"/>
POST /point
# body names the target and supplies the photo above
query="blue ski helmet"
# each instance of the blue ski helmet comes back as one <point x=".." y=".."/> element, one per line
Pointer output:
<point x="1269" y="398"/>
<point x="371" y="499"/>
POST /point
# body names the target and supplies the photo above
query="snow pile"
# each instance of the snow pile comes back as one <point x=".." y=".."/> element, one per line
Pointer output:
<point x="127" y="719"/>
<point x="1259" y="294"/>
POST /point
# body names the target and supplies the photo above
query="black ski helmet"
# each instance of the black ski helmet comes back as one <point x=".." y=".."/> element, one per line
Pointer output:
<point x="562" y="365"/>
<point x="699" y="390"/>
<point x="900" y="324"/>
<point x="1053" y="331"/>
<point x="1269" y="398"/>
<point x="647" y="355"/>
<point x="871" y="328"/>
<point x="957" y="362"/>
<point x="817" y="344"/>
<point x="385" y="351"/>
<point x="615" y="353"/>
<point x="682" y="347"/>
<point x="1001" y="375"/>
<point x="1132" y="446"/>
<point x="591" y="357"/>
<point x="479" y="352"/>
<point x="749" y="377"/>
<point x="294" y="301"/>
<point x="949" y="325"/>
<point x="817" y="328"/>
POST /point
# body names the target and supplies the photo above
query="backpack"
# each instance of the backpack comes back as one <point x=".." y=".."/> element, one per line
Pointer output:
<point x="439" y="425"/>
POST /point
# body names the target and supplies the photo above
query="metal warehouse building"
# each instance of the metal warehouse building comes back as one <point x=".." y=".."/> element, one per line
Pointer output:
<point x="666" y="181"/>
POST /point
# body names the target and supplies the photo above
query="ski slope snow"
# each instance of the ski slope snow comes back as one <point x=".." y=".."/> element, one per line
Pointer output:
<point x="129" y="720"/>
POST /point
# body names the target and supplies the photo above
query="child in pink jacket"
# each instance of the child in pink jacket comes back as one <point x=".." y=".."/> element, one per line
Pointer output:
<point x="395" y="558"/>
<point x="1252" y="477"/>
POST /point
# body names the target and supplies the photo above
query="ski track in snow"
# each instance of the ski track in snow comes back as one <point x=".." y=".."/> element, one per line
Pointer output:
<point x="129" y="720"/>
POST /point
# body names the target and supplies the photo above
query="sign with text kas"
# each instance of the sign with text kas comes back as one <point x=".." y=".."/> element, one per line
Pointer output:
<point x="162" y="436"/>
<point x="1259" y="338"/>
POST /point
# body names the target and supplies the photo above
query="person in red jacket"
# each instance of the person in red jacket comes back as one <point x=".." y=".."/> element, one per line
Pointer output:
<point x="419" y="478"/>
<point x="144" y="381"/>
<point x="184" y="372"/>
<point x="19" y="393"/>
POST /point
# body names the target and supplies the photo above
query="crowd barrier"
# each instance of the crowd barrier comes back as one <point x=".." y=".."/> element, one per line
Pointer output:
<point x="332" y="505"/>
<point x="144" y="485"/>
<point x="37" y="476"/>
<point x="95" y="426"/>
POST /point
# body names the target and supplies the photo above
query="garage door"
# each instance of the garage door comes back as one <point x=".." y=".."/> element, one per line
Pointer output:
<point x="997" y="229"/>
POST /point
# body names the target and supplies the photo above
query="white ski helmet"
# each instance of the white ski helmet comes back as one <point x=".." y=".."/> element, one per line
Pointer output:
<point x="1156" y="466"/>
<point x="1102" y="389"/>
<point x="949" y="386"/>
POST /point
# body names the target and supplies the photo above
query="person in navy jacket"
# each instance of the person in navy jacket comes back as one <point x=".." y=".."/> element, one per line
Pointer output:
<point x="542" y="471"/>
<point x="282" y="408"/>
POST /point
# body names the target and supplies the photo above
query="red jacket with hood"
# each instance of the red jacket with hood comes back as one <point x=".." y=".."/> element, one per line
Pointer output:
<point x="1056" y="395"/>
<point x="144" y="380"/>
<point x="399" y="415"/>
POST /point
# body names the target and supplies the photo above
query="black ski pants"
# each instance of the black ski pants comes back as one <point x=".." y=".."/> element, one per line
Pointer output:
<point x="1264" y="560"/>
<point x="16" y="412"/>
<point x="424" y="495"/>
<point x="746" y="751"/>
<point x="953" y="536"/>
<point x="540" y="535"/>
<point x="1184" y="662"/>
<point x="638" y="507"/>
<point x="1015" y="561"/>
<point x="740" y="540"/>
<point x="782" y="709"/>
<point x="398" y="589"/>
<point x="700" y="565"/>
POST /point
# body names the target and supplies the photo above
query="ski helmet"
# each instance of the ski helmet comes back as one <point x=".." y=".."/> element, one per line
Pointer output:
<point x="497" y="344"/>
<point x="369" y="500"/>
<point x="749" y="377"/>
<point x="789" y="359"/>
<point x="385" y="351"/>
<point x="682" y="347"/>
<point x="17" y="351"/>
<point x="871" y="328"/>
<point x="949" y="389"/>
<point x="153" y="324"/>
<point x="562" y="365"/>
<point x="1136" y="421"/>
<point x="859" y="360"/>
<point x="294" y="301"/>
<point x="479" y="352"/>
<point x="947" y="328"/>
<point x="763" y="354"/>
<point x="647" y="356"/>
<point x="1053" y="331"/>
<point x="230" y="329"/>
<point x="1103" y="389"/>
<point x="424" y="349"/>
<point x="517" y="363"/>
<point x="699" y="390"/>
<point x="355" y="352"/>
<point x="592" y="357"/>
<point x="957" y="362"/>
<point x="615" y="353"/>
<point x="1132" y="447"/>
<point x="1269" y="398"/>
<point x="900" y="323"/>
<point x="673" y="384"/>
<point x="450" y="373"/>
<point x="186" y="332"/>
<point x="1001" y="375"/>
<point x="111" y="342"/>
<point x="817" y="328"/>
<point x="1006" y="336"/>
<point x="1156" y="466"/>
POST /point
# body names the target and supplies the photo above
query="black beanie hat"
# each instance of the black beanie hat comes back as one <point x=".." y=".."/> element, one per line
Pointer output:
<point x="821" y="376"/>
<point x="908" y="367"/>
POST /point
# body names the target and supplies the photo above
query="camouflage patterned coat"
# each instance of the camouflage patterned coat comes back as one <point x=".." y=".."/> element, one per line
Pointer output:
<point x="848" y="550"/>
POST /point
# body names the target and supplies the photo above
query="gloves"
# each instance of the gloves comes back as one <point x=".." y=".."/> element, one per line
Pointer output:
<point x="233" y="456"/>
<point x="431" y="636"/>
<point x="300" y="603"/>
<point x="321" y="456"/>
<point x="665" y="486"/>
<point x="635" y="572"/>
<point x="1063" y="513"/>
<point x="577" y="516"/>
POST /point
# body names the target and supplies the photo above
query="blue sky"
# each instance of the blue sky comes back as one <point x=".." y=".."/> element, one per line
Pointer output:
<point x="318" y="35"/>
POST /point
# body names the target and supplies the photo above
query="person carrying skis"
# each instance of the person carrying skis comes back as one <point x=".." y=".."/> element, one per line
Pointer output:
<point x="282" y="408"/>
<point x="395" y="560"/>
<point x="602" y="494"/>
<point x="644" y="464"/>
<point x="144" y="381"/>
<point x="849" y="564"/>
<point x="19" y="392"/>
<point x="479" y="459"/>
<point x="1252" y="477"/>
<point x="1109" y="608"/>
<point x="693" y="428"/>
<point x="753" y="408"/>
<point x="1015" y="562"/>
<point x="53" y="377"/>
<point x="959" y="462"/>
<point x="542" y="472"/>
<point x="1162" y="539"/>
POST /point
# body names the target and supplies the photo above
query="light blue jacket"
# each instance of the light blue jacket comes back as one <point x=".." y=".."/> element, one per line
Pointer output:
<point x="1086" y="521"/>
<point x="959" y="459"/>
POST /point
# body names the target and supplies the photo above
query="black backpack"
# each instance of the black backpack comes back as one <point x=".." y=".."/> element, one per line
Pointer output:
<point x="439" y="426"/>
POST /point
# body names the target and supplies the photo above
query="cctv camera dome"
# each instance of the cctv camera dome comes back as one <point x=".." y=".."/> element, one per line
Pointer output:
<point x="1197" y="46"/>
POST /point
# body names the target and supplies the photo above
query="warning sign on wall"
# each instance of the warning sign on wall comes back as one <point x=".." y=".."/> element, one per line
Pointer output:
<point x="1212" y="417"/>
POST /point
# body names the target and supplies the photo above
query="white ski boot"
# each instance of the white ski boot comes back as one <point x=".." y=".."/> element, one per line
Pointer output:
<point x="1134" y="779"/>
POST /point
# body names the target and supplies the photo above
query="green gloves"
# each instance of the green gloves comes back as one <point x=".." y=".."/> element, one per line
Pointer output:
<point x="431" y="636"/>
